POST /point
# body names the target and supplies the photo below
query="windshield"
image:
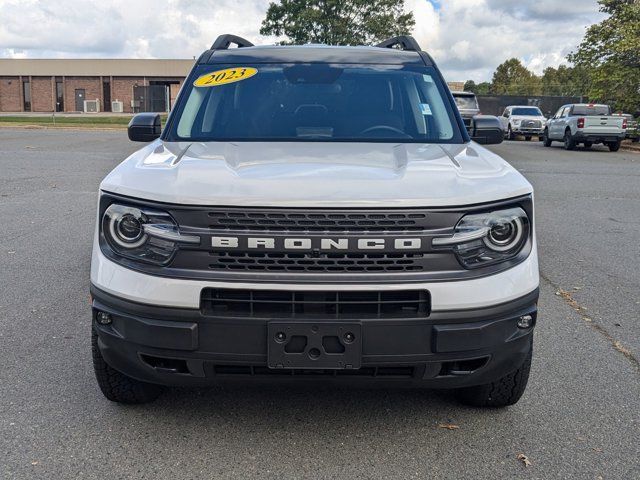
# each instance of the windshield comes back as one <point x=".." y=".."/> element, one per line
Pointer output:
<point x="590" y="110"/>
<point x="314" y="102"/>
<point x="466" y="102"/>
<point x="530" y="111"/>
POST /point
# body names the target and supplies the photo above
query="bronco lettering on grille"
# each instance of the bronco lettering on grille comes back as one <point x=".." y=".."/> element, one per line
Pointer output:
<point x="316" y="243"/>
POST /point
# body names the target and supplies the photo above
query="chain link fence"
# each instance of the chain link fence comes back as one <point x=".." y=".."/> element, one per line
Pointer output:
<point x="495" y="104"/>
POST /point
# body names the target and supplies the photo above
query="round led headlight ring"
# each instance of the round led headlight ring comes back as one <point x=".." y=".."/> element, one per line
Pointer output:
<point x="505" y="235"/>
<point x="126" y="228"/>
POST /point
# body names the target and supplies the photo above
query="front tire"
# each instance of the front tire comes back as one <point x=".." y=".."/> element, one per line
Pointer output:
<point x="545" y="139"/>
<point x="503" y="392"/>
<point x="614" y="146"/>
<point x="118" y="387"/>
<point x="510" y="134"/>
<point x="569" y="142"/>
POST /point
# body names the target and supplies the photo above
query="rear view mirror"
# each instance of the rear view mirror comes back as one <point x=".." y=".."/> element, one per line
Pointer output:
<point x="144" y="127"/>
<point x="486" y="130"/>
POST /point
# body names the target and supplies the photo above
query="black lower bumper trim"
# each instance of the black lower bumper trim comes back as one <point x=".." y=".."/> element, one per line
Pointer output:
<point x="174" y="346"/>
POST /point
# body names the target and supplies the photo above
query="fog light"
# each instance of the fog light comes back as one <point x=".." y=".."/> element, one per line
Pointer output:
<point x="525" y="321"/>
<point x="103" y="318"/>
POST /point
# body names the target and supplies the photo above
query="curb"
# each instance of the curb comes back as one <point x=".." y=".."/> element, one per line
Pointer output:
<point x="631" y="147"/>
<point x="65" y="127"/>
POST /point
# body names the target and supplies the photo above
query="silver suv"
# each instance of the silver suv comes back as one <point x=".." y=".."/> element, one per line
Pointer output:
<point x="468" y="106"/>
<point x="320" y="213"/>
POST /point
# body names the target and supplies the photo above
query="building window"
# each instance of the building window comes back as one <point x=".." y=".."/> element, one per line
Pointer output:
<point x="106" y="95"/>
<point x="59" y="96"/>
<point x="26" y="90"/>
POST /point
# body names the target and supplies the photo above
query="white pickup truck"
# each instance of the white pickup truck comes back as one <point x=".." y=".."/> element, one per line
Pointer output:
<point x="522" y="120"/>
<point x="587" y="124"/>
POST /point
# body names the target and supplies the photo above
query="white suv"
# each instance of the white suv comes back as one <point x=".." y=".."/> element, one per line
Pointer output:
<point x="314" y="213"/>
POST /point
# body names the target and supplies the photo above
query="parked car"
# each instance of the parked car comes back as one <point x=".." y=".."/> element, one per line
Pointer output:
<point x="586" y="124"/>
<point x="633" y="127"/>
<point x="467" y="104"/>
<point x="522" y="120"/>
<point x="310" y="213"/>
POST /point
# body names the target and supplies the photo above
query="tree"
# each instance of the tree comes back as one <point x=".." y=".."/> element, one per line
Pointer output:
<point x="483" y="88"/>
<point x="337" y="22"/>
<point x="610" y="53"/>
<point x="513" y="78"/>
<point x="565" y="81"/>
<point x="470" y="86"/>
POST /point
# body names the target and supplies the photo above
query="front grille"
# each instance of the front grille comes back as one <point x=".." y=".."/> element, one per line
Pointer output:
<point x="223" y="302"/>
<point x="322" y="263"/>
<point x="531" y="124"/>
<point x="315" y="222"/>
<point x="277" y="224"/>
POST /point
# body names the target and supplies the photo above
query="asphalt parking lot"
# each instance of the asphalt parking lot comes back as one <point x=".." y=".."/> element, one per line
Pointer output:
<point x="578" y="419"/>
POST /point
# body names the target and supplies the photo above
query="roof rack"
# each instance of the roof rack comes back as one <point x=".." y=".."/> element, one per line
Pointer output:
<point x="224" y="41"/>
<point x="405" y="42"/>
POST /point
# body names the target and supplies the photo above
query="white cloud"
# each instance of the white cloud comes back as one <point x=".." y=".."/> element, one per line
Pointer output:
<point x="474" y="36"/>
<point x="467" y="38"/>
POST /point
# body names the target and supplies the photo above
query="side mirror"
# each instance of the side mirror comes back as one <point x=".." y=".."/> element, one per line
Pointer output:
<point x="486" y="130"/>
<point x="144" y="127"/>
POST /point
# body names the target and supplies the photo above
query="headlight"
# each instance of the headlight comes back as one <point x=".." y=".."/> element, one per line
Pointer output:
<point x="517" y="122"/>
<point x="487" y="238"/>
<point x="150" y="236"/>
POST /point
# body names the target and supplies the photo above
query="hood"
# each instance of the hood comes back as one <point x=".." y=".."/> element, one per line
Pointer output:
<point x="316" y="174"/>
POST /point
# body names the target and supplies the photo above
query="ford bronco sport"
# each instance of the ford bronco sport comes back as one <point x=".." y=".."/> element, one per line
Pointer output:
<point x="314" y="213"/>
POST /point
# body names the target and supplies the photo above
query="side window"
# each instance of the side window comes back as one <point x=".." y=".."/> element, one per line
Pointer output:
<point x="558" y="113"/>
<point x="565" y="112"/>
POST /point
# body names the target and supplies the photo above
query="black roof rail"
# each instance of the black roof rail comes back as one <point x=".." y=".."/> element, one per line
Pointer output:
<point x="223" y="42"/>
<point x="405" y="42"/>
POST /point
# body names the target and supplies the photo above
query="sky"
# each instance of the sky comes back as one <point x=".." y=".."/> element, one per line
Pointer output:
<point x="467" y="38"/>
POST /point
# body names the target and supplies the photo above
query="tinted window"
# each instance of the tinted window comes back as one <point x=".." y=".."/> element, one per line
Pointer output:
<point x="315" y="102"/>
<point x="591" y="110"/>
<point x="533" y="111"/>
<point x="466" y="102"/>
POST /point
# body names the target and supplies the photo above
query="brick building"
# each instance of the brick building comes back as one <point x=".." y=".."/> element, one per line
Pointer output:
<point x="76" y="85"/>
<point x="456" y="86"/>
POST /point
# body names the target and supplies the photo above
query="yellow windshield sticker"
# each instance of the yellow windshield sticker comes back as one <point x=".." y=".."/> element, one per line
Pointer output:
<point x="222" y="77"/>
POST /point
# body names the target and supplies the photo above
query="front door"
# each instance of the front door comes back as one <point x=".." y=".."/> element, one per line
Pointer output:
<point x="80" y="99"/>
<point x="553" y="124"/>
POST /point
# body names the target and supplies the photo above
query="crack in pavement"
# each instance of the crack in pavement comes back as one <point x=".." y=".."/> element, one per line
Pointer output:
<point x="582" y="311"/>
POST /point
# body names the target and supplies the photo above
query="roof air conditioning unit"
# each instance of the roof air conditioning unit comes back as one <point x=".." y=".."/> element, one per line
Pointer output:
<point x="117" y="106"/>
<point x="92" y="106"/>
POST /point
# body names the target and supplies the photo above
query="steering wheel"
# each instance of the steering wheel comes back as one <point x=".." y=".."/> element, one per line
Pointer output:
<point x="381" y="128"/>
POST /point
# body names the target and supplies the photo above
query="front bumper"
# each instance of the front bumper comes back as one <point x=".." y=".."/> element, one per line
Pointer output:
<point x="528" y="131"/>
<point x="183" y="347"/>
